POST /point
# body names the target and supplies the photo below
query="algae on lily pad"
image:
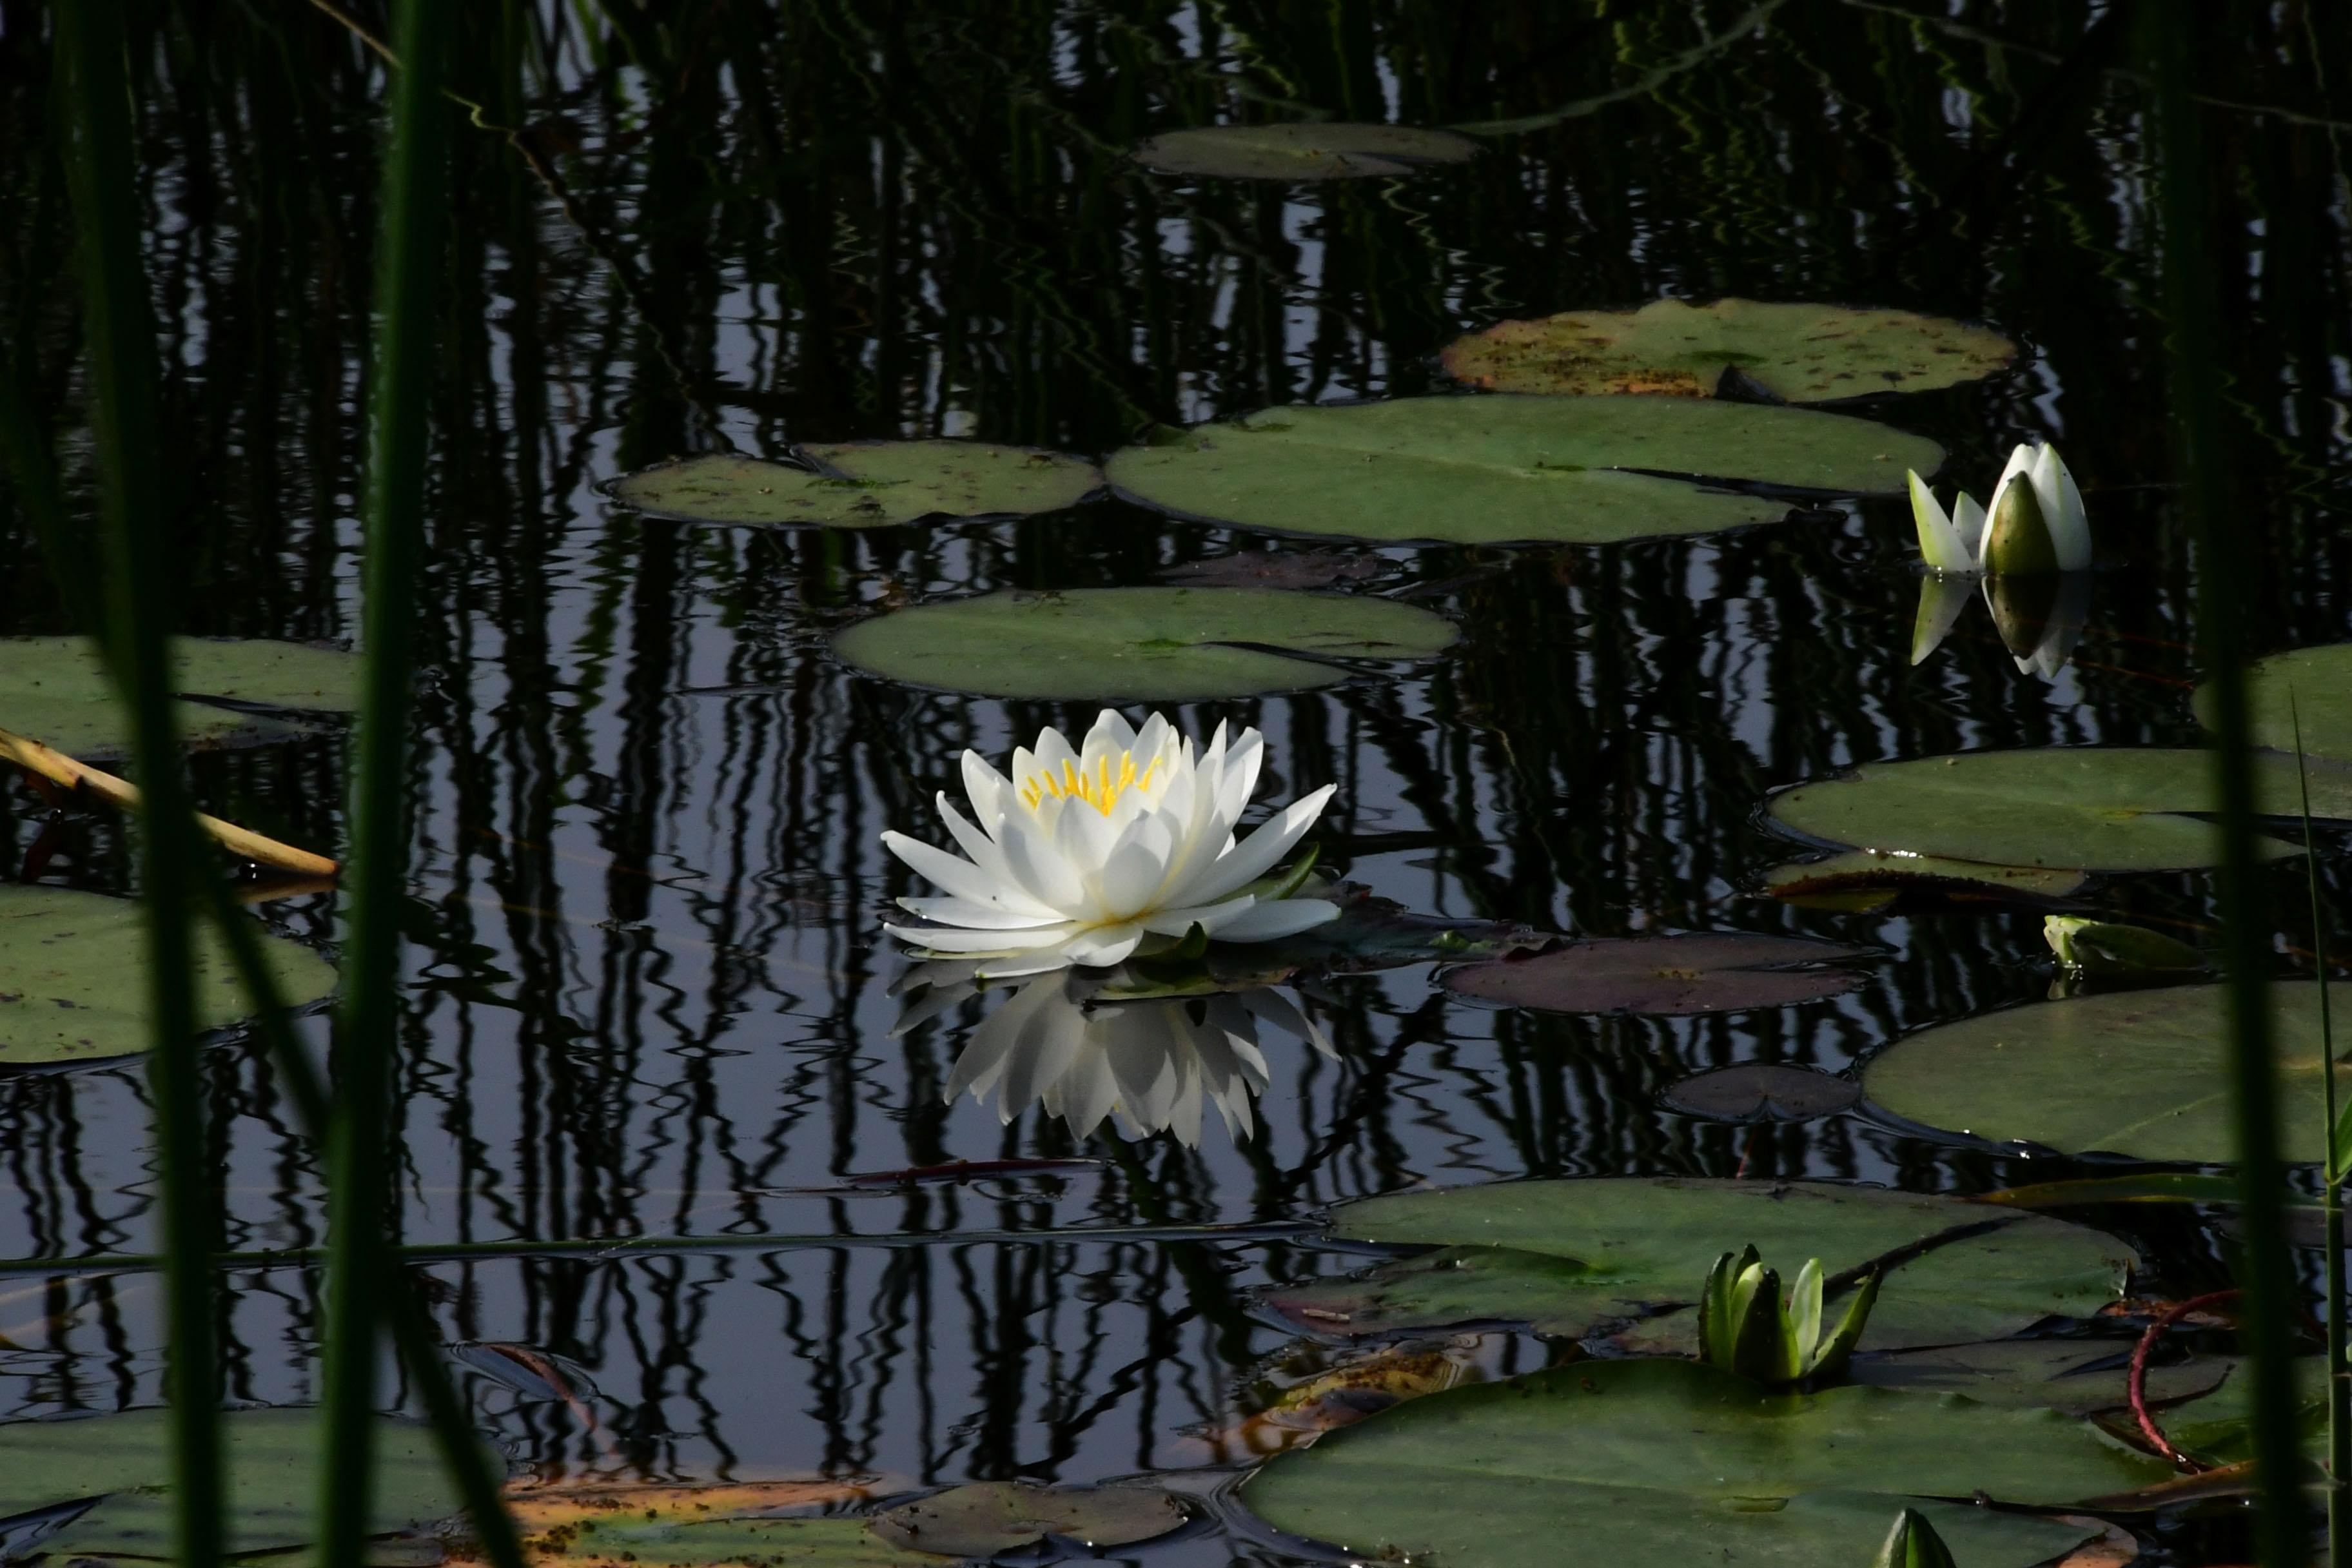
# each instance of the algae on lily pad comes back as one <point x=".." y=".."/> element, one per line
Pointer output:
<point x="988" y="1519"/>
<point x="274" y="1459"/>
<point x="2319" y="679"/>
<point x="1799" y="353"/>
<point x="1573" y="1257"/>
<point x="1642" y="1463"/>
<point x="70" y="964"/>
<point x="1158" y="645"/>
<point x="2100" y="808"/>
<point x="873" y="483"/>
<point x="2143" y="1073"/>
<point x="1481" y="470"/>
<point x="1309" y="149"/>
<point x="57" y="691"/>
<point x="1699" y="971"/>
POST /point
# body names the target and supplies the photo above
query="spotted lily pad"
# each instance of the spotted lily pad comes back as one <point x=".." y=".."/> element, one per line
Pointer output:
<point x="2320" y="680"/>
<point x="273" y="1460"/>
<point x="1315" y="150"/>
<point x="55" y="691"/>
<point x="1643" y="1463"/>
<point x="1763" y="1091"/>
<point x="1574" y="1258"/>
<point x="2086" y="808"/>
<point x="1704" y="972"/>
<point x="1482" y="470"/>
<point x="1158" y="645"/>
<point x="873" y="483"/>
<point x="1799" y="353"/>
<point x="2144" y="1073"/>
<point x="69" y="976"/>
<point x="1875" y="879"/>
<point x="990" y="1518"/>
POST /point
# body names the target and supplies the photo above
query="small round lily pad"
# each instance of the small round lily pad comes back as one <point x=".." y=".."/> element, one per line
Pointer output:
<point x="2143" y="1073"/>
<point x="1763" y="1091"/>
<point x="1797" y="353"/>
<point x="1484" y="470"/>
<point x="2101" y="808"/>
<point x="1706" y="971"/>
<point x="1161" y="645"/>
<point x="988" y="1518"/>
<point x="72" y="976"/>
<point x="874" y="483"/>
<point x="1314" y="150"/>
<point x="57" y="691"/>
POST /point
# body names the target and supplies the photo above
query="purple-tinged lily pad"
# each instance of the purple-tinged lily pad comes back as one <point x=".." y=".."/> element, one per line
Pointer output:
<point x="1705" y="972"/>
<point x="1763" y="1091"/>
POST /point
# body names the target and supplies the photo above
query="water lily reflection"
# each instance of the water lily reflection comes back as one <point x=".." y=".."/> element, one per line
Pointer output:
<point x="2040" y="619"/>
<point x="1150" y="1065"/>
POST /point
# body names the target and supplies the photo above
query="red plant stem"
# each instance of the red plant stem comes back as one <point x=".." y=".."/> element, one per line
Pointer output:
<point x="2138" y="1386"/>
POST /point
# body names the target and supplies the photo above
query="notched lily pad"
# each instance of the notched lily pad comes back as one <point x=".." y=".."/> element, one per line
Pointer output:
<point x="2099" y="808"/>
<point x="1160" y="645"/>
<point x="1763" y="1091"/>
<point x="1873" y="879"/>
<point x="1573" y="1259"/>
<point x="1799" y="353"/>
<point x="1315" y="150"/>
<point x="1665" y="1463"/>
<point x="55" y="691"/>
<point x="2142" y="1073"/>
<point x="992" y="1517"/>
<point x="273" y="1461"/>
<point x="1704" y="972"/>
<point x="70" y="968"/>
<point x="1479" y="470"/>
<point x="874" y="483"/>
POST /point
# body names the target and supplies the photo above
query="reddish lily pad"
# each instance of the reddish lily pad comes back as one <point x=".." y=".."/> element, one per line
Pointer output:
<point x="1705" y="972"/>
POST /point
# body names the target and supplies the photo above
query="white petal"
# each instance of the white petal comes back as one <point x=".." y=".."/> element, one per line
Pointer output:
<point x="1104" y="945"/>
<point x="1940" y="543"/>
<point x="1255" y="855"/>
<point x="1013" y="968"/>
<point x="955" y="939"/>
<point x="1111" y="735"/>
<point x="992" y="1045"/>
<point x="1038" y="869"/>
<point x="1132" y="872"/>
<point x="2062" y="504"/>
<point x="959" y="876"/>
<point x="1211" y="918"/>
<point x="1969" y="523"/>
<point x="991" y="796"/>
<point x="1941" y="600"/>
<point x="1284" y="917"/>
<point x="989" y="855"/>
<point x="952" y="911"/>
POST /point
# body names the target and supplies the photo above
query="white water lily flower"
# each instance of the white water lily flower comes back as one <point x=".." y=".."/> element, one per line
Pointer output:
<point x="1082" y="855"/>
<point x="2036" y="521"/>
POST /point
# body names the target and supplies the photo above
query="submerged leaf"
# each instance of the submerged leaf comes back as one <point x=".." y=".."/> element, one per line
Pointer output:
<point x="1494" y="469"/>
<point x="1799" y="353"/>
<point x="873" y="483"/>
<point x="1314" y="150"/>
<point x="1158" y="645"/>
<point x="1704" y="971"/>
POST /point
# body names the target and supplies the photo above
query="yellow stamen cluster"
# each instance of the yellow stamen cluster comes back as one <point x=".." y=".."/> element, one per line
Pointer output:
<point x="1099" y="789"/>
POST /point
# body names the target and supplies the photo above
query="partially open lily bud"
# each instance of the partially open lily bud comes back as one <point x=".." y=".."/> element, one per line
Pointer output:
<point x="2017" y="542"/>
<point x="2036" y="523"/>
<point x="1913" y="1544"/>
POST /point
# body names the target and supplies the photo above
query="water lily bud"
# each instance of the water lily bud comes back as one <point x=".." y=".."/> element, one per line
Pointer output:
<point x="1913" y="1543"/>
<point x="2102" y="947"/>
<point x="2018" y="541"/>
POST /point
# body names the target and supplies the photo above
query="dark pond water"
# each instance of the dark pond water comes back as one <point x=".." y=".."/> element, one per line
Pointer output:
<point x="648" y="990"/>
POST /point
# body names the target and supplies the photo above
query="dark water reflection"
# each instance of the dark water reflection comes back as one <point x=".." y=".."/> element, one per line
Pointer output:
<point x="649" y="993"/>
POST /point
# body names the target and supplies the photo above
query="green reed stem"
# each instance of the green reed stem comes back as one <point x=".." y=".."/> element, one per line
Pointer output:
<point x="2339" y="1391"/>
<point x="419" y="1346"/>
<point x="408" y="268"/>
<point x="2223" y="549"/>
<point x="134" y="547"/>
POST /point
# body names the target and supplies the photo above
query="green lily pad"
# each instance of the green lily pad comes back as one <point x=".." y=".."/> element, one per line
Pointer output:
<point x="874" y="483"/>
<point x="55" y="691"/>
<point x="1703" y="972"/>
<point x="1479" y="470"/>
<point x="1149" y="645"/>
<point x="2084" y="808"/>
<point x="1876" y="880"/>
<point x="2143" y="1073"/>
<point x="2320" y="682"/>
<point x="990" y="1518"/>
<point x="1763" y="1091"/>
<point x="2037" y="1373"/>
<point x="273" y="1458"/>
<point x="1799" y="353"/>
<point x="70" y="968"/>
<point x="2218" y="1427"/>
<point x="1573" y="1257"/>
<point x="1642" y="1462"/>
<point x="1315" y="150"/>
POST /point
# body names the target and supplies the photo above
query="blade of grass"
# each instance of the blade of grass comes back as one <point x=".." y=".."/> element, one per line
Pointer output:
<point x="2339" y="1393"/>
<point x="134" y="551"/>
<point x="408" y="266"/>
<point x="2223" y="549"/>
